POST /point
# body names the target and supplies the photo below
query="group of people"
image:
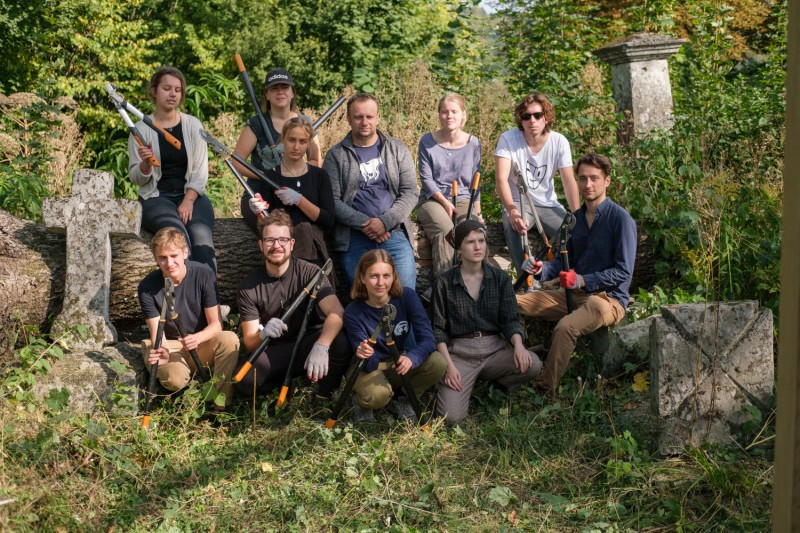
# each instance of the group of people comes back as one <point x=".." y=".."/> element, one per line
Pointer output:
<point x="363" y="193"/>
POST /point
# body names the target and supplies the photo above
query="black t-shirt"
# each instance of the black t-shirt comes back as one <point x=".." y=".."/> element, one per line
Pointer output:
<point x="314" y="185"/>
<point x="173" y="162"/>
<point x="196" y="293"/>
<point x="262" y="297"/>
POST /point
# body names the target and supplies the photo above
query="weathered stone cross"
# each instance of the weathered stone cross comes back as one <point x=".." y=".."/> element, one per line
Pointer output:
<point x="88" y="217"/>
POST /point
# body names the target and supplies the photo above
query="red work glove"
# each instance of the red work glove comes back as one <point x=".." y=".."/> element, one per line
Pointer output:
<point x="570" y="279"/>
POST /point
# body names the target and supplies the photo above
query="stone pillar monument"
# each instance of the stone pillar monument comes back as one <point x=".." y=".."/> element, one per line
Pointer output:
<point x="640" y="80"/>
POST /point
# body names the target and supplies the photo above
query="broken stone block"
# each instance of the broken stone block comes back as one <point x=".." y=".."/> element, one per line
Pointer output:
<point x="91" y="378"/>
<point x="709" y="362"/>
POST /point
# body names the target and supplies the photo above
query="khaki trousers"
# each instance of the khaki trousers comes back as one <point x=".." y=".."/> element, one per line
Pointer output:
<point x="591" y="313"/>
<point x="220" y="352"/>
<point x="490" y="358"/>
<point x="436" y="224"/>
<point x="373" y="390"/>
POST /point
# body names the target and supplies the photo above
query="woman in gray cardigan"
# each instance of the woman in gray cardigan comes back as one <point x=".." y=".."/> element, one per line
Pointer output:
<point x="173" y="194"/>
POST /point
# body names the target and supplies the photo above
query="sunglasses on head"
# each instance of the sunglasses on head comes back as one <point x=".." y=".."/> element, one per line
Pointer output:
<point x="527" y="116"/>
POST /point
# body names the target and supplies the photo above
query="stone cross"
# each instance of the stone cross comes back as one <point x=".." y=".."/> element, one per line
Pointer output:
<point x="708" y="364"/>
<point x="640" y="81"/>
<point x="88" y="217"/>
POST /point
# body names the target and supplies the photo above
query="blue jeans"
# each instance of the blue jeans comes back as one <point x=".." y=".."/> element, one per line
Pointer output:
<point x="397" y="246"/>
<point x="162" y="212"/>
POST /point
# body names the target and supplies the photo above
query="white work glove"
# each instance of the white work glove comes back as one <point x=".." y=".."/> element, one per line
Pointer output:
<point x="317" y="362"/>
<point x="531" y="266"/>
<point x="274" y="328"/>
<point x="257" y="204"/>
<point x="288" y="196"/>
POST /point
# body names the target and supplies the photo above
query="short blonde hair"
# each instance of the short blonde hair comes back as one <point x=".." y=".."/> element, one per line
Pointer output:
<point x="166" y="236"/>
<point x="372" y="257"/>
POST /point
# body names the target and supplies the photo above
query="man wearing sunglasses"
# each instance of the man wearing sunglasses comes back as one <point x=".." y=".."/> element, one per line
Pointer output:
<point x="266" y="293"/>
<point x="538" y="152"/>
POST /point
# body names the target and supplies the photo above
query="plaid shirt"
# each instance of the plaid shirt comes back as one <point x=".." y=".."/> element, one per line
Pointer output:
<point x="456" y="313"/>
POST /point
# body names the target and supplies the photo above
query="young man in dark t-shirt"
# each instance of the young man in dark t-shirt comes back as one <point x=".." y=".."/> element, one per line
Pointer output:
<point x="197" y="305"/>
<point x="263" y="297"/>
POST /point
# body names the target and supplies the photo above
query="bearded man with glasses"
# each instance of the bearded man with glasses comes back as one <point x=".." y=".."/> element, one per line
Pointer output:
<point x="538" y="152"/>
<point x="264" y="295"/>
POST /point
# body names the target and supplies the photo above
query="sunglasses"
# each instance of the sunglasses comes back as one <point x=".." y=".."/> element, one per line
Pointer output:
<point x="527" y="116"/>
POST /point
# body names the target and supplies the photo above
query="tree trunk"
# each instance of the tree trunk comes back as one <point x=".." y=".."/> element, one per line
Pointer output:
<point x="32" y="270"/>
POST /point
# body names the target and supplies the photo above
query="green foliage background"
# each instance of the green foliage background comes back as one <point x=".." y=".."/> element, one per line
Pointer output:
<point x="708" y="194"/>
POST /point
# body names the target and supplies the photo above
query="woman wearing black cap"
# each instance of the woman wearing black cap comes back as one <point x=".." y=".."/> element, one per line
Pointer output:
<point x="279" y="104"/>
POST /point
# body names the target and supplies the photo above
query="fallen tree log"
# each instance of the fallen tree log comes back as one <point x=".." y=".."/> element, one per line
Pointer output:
<point x="33" y="265"/>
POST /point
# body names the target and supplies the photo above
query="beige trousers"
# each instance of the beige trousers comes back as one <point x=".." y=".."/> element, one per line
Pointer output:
<point x="436" y="224"/>
<point x="591" y="312"/>
<point x="490" y="358"/>
<point x="220" y="352"/>
<point x="373" y="390"/>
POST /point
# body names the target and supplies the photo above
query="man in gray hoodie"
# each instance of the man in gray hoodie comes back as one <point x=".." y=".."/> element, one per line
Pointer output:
<point x="374" y="184"/>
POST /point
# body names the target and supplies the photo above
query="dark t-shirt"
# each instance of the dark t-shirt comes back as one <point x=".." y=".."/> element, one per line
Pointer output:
<point x="315" y="186"/>
<point x="373" y="197"/>
<point x="173" y="162"/>
<point x="262" y="296"/>
<point x="196" y="293"/>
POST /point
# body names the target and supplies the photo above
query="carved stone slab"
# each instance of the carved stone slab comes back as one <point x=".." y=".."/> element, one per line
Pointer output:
<point x="708" y="363"/>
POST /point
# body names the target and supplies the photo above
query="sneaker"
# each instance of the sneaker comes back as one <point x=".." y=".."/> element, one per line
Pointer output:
<point x="403" y="409"/>
<point x="361" y="414"/>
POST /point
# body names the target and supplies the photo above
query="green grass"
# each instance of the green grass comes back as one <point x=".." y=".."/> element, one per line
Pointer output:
<point x="584" y="463"/>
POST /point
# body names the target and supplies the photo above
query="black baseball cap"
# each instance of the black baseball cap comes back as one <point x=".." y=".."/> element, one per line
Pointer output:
<point x="278" y="76"/>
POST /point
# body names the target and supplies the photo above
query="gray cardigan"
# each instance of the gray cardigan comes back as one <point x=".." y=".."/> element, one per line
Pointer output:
<point x="342" y="166"/>
<point x="196" y="151"/>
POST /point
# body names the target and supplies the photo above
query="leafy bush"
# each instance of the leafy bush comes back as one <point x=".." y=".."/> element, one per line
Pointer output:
<point x="26" y="125"/>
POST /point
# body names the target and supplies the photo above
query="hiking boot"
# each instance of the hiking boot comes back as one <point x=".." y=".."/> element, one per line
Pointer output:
<point x="403" y="409"/>
<point x="360" y="414"/>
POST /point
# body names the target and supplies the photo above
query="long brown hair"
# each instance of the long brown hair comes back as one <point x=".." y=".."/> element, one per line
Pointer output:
<point x="372" y="257"/>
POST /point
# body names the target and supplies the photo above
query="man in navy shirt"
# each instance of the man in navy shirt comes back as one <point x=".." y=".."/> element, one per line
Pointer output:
<point x="602" y="250"/>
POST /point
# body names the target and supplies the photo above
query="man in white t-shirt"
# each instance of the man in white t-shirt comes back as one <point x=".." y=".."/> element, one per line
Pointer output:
<point x="538" y="152"/>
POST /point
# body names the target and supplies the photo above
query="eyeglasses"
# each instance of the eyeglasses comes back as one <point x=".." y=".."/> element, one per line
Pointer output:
<point x="527" y="116"/>
<point x="283" y="241"/>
